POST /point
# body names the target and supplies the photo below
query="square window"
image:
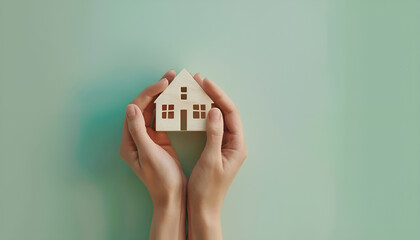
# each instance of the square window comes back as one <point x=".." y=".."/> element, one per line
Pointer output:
<point x="183" y="89"/>
<point x="196" y="115"/>
<point x="171" y="107"/>
<point x="196" y="107"/>
<point x="164" y="107"/>
<point x="171" y="115"/>
<point x="203" y="107"/>
<point x="183" y="96"/>
<point x="164" y="115"/>
<point x="203" y="115"/>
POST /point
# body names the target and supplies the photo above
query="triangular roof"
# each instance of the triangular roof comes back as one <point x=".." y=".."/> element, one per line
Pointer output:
<point x="194" y="90"/>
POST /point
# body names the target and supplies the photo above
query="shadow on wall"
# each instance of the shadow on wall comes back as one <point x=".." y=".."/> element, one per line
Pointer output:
<point x="188" y="146"/>
<point x="100" y="107"/>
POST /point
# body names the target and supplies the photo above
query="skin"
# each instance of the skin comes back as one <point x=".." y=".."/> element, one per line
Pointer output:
<point x="223" y="155"/>
<point x="152" y="157"/>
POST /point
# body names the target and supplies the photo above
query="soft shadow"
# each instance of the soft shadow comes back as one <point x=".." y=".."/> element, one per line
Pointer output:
<point x="188" y="146"/>
<point x="100" y="107"/>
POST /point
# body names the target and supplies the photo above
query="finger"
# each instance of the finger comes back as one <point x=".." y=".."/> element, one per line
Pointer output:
<point x="160" y="138"/>
<point x="147" y="95"/>
<point x="214" y="127"/>
<point x="198" y="79"/>
<point x="148" y="111"/>
<point x="219" y="96"/>
<point x="230" y="112"/>
<point x="128" y="148"/>
<point x="138" y="130"/>
<point x="170" y="75"/>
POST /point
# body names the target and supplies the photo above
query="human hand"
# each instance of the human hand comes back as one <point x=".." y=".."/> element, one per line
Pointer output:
<point x="221" y="159"/>
<point x="153" y="159"/>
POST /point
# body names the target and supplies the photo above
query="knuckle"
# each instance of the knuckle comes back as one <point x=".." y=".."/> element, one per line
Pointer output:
<point x="216" y="133"/>
<point x="135" y="129"/>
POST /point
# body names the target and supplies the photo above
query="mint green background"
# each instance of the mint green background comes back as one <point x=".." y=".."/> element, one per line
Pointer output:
<point x="328" y="92"/>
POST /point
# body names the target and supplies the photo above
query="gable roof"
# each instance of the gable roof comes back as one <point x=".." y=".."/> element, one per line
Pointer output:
<point x="194" y="91"/>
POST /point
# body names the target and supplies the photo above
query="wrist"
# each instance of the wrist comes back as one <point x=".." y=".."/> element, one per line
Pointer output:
<point x="205" y="213"/>
<point x="166" y="210"/>
<point x="169" y="200"/>
<point x="166" y="224"/>
<point x="204" y="222"/>
<point x="206" y="207"/>
<point x="169" y="216"/>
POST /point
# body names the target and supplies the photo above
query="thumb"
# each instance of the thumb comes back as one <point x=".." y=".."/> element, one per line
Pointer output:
<point x="137" y="128"/>
<point x="214" y="128"/>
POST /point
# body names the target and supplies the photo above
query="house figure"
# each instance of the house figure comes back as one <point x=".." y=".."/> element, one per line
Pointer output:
<point x="183" y="106"/>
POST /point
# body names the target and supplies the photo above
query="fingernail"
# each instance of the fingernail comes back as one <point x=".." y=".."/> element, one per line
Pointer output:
<point x="214" y="115"/>
<point x="163" y="79"/>
<point x="131" y="112"/>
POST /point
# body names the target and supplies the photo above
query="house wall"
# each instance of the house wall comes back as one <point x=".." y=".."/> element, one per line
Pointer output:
<point x="167" y="124"/>
<point x="175" y="124"/>
<point x="196" y="124"/>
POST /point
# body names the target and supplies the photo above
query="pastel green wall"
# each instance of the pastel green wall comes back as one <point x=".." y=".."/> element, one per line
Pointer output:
<point x="328" y="92"/>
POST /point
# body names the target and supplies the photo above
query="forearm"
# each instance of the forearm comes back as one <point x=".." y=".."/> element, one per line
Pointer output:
<point x="168" y="221"/>
<point x="204" y="224"/>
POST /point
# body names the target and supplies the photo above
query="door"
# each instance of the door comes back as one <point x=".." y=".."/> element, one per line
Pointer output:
<point x="183" y="119"/>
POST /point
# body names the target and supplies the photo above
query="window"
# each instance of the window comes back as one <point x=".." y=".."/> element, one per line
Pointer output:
<point x="199" y="111"/>
<point x="168" y="111"/>
<point x="183" y="93"/>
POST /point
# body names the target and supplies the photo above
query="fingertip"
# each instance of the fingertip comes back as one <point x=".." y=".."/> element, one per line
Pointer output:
<point x="162" y="84"/>
<point x="207" y="82"/>
<point x="164" y="80"/>
<point x="131" y="111"/>
<point x="214" y="129"/>
<point x="171" y="72"/>
<point x="170" y="75"/>
<point x="214" y="114"/>
<point x="197" y="77"/>
<point x="215" y="121"/>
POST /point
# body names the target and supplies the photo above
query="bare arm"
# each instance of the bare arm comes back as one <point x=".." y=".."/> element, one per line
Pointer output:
<point x="221" y="159"/>
<point x="152" y="158"/>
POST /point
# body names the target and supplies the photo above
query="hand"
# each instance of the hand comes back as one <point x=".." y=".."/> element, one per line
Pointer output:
<point x="153" y="159"/>
<point x="221" y="159"/>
